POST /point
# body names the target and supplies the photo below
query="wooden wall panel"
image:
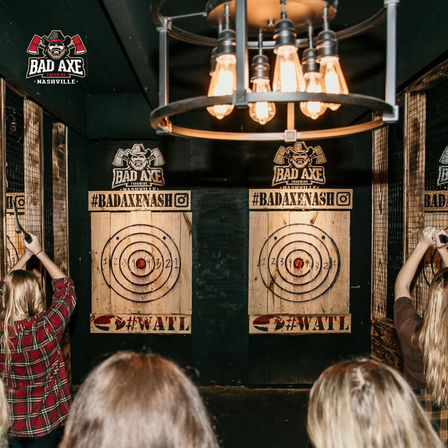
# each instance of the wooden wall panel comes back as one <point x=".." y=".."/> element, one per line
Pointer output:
<point x="33" y="168"/>
<point x="60" y="205"/>
<point x="380" y="212"/>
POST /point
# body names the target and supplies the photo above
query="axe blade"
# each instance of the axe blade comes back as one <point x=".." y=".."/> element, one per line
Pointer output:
<point x="33" y="47"/>
<point x="158" y="157"/>
<point x="280" y="156"/>
<point x="320" y="155"/>
<point x="120" y="157"/>
<point x="79" y="45"/>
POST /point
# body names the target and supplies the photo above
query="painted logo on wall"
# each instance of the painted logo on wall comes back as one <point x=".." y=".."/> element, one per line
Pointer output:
<point x="138" y="168"/>
<point x="442" y="178"/>
<point x="299" y="165"/>
<point x="56" y="58"/>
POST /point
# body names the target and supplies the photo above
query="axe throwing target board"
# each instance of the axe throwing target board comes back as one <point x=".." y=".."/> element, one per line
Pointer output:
<point x="435" y="215"/>
<point x="141" y="261"/>
<point x="299" y="261"/>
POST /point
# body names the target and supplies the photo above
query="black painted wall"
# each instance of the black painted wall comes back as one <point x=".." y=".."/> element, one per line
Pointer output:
<point x="219" y="350"/>
<point x="109" y="106"/>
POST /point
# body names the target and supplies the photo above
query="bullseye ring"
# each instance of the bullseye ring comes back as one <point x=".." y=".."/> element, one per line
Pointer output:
<point x="298" y="263"/>
<point x="140" y="263"/>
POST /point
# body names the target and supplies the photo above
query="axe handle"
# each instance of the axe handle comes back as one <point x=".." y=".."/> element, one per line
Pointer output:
<point x="19" y="227"/>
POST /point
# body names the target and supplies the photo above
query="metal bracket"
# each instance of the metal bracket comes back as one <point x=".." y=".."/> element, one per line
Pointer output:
<point x="167" y="24"/>
<point x="165" y="128"/>
<point x="290" y="135"/>
<point x="391" y="118"/>
<point x="241" y="99"/>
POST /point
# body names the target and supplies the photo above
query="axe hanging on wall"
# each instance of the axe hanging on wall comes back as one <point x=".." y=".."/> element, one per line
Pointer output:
<point x="18" y="226"/>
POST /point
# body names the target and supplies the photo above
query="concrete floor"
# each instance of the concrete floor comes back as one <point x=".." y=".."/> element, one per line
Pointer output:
<point x="258" y="418"/>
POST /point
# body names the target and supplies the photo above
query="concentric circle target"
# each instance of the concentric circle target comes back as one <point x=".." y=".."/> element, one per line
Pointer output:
<point x="299" y="262"/>
<point x="143" y="263"/>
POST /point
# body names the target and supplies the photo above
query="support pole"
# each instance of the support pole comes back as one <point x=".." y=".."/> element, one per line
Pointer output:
<point x="163" y="63"/>
<point x="391" y="60"/>
<point x="290" y="134"/>
<point x="241" y="54"/>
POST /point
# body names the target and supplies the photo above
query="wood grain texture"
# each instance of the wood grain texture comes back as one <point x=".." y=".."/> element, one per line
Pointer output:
<point x="299" y="262"/>
<point x="141" y="263"/>
<point x="385" y="343"/>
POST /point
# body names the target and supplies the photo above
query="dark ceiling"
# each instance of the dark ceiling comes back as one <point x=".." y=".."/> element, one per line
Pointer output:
<point x="120" y="90"/>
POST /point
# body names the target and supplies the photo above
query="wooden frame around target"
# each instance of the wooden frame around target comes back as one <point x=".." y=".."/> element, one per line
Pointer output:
<point x="141" y="270"/>
<point x="299" y="262"/>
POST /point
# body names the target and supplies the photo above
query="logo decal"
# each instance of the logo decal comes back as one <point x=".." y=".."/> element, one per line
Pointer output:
<point x="138" y="168"/>
<point x="52" y="60"/>
<point x="442" y="178"/>
<point x="299" y="165"/>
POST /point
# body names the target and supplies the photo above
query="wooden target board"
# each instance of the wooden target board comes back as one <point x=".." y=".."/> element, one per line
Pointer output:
<point x="141" y="262"/>
<point x="299" y="262"/>
<point x="436" y="215"/>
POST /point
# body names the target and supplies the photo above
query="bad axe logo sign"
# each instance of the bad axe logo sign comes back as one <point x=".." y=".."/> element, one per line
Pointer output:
<point x="299" y="165"/>
<point x="53" y="63"/>
<point x="138" y="168"/>
<point x="442" y="178"/>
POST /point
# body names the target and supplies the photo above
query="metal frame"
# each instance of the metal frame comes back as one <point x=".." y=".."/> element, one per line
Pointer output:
<point x="384" y="111"/>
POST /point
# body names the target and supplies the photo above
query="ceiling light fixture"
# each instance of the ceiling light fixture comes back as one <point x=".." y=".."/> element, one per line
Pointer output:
<point x="223" y="78"/>
<point x="261" y="111"/>
<point x="313" y="81"/>
<point x="298" y="87"/>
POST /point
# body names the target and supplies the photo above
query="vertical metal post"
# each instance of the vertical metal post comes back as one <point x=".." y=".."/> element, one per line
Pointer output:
<point x="241" y="53"/>
<point x="290" y="119"/>
<point x="290" y="134"/>
<point x="163" y="63"/>
<point x="391" y="59"/>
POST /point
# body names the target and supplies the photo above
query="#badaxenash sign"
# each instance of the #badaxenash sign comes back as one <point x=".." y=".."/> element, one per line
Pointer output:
<point x="56" y="58"/>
